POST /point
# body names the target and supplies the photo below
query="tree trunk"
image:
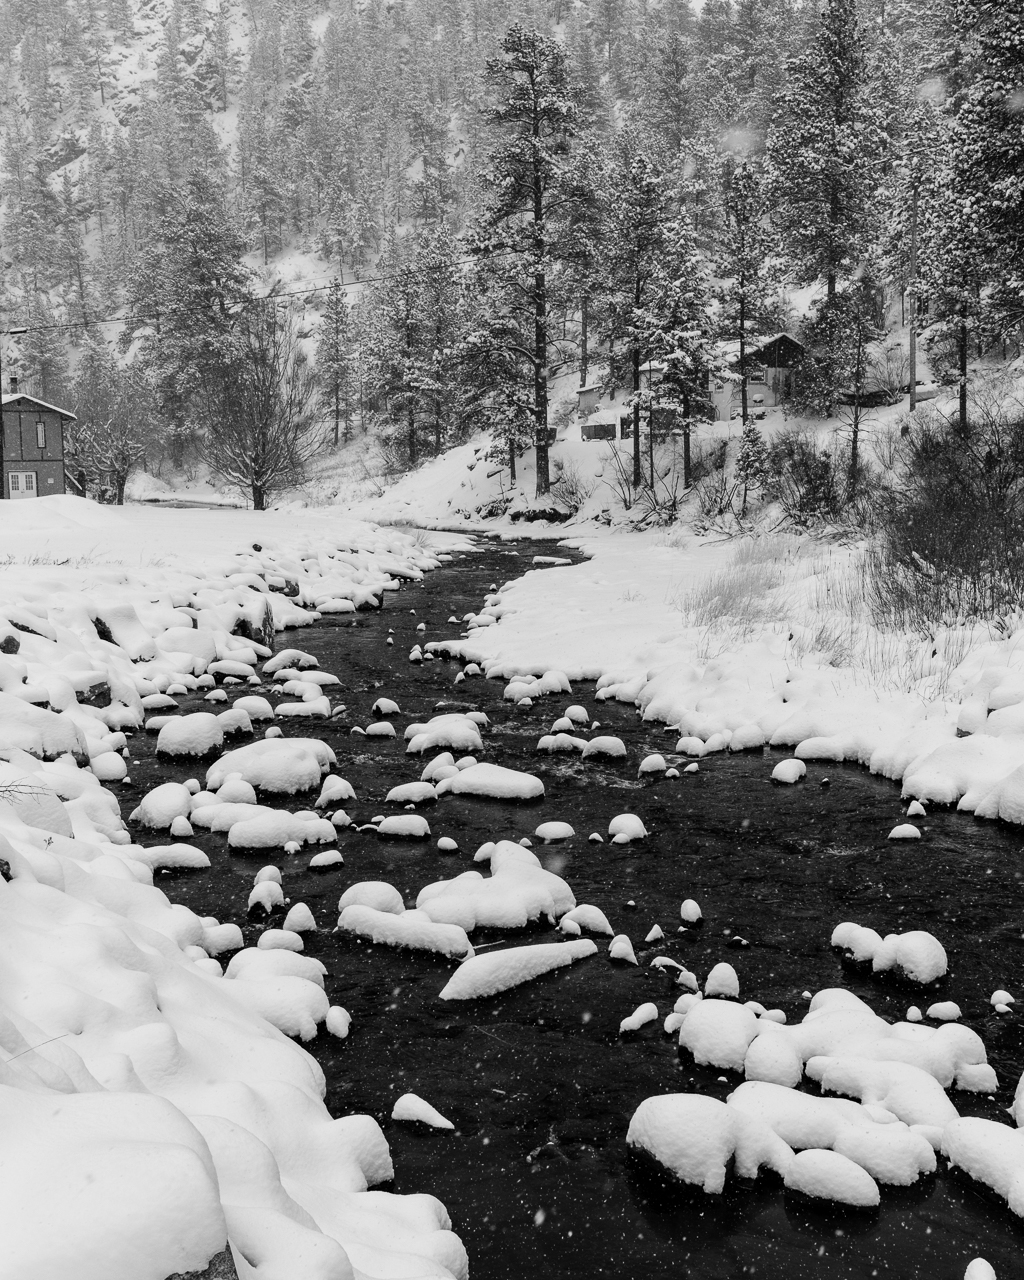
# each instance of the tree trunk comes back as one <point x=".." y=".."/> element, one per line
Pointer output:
<point x="540" y="384"/>
<point x="512" y="461"/>
<point x="962" y="345"/>
<point x="119" y="486"/>
<point x="337" y="412"/>
<point x="259" y="498"/>
<point x="913" y="303"/>
<point x="743" y="354"/>
<point x="412" y="435"/>
<point x="686" y="441"/>
<point x="540" y="326"/>
<point x="637" y="476"/>
<point x="584" y="336"/>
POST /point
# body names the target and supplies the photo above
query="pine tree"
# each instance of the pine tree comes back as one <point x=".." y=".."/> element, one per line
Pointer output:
<point x="677" y="329"/>
<point x="825" y="151"/>
<point x="335" y="363"/>
<point x="187" y="293"/>
<point x="752" y="461"/>
<point x="638" y="208"/>
<point x="986" y="150"/>
<point x="747" y="293"/>
<point x="534" y="112"/>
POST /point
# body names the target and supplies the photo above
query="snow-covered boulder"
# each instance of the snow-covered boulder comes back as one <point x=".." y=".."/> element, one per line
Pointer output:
<point x="494" y="782"/>
<point x="495" y="971"/>
<point x="697" y="1139"/>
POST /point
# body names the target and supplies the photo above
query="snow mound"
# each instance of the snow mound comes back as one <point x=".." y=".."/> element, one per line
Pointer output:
<point x="605" y="745"/>
<point x="639" y="1018"/>
<point x="413" y="1108"/>
<point x="789" y="771"/>
<point x="494" y="782"/>
<point x="548" y="831"/>
<point x="697" y="1139"/>
<point x="411" y="793"/>
<point x="193" y="735"/>
<point x="590" y="918"/>
<point x="718" y="1033"/>
<point x="627" y="825"/>
<point x="827" y="1175"/>
<point x="917" y="956"/>
<point x="275" y="764"/>
<point x="518" y="891"/>
<point x="404" y="826"/>
<point x="487" y="975"/>
<point x="373" y="893"/>
<point x="410" y="929"/>
<point x="453" y="730"/>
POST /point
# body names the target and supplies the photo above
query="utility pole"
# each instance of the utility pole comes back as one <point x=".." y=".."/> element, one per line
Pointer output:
<point x="913" y="298"/>
<point x="4" y="333"/>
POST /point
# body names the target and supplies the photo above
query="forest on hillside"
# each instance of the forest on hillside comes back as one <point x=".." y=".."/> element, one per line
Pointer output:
<point x="480" y="193"/>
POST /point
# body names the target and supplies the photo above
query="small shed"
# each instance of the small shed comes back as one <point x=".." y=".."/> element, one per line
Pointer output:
<point x="588" y="398"/>
<point x="31" y="446"/>
<point x="770" y="363"/>
<point x="603" y="424"/>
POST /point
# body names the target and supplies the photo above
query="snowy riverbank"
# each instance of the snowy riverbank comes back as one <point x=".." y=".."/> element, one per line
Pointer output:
<point x="154" y="1110"/>
<point x="743" y="643"/>
<point x="158" y="1106"/>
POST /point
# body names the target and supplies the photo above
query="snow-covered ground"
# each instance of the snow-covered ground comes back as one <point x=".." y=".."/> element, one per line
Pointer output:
<point x="155" y="1108"/>
<point x="742" y="643"/>
<point x="158" y="1106"/>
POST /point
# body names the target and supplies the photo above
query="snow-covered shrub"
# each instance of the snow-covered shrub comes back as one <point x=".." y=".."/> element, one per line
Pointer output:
<point x="951" y="543"/>
<point x="570" y="489"/>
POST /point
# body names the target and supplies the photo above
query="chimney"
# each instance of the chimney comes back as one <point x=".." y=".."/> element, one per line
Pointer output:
<point x="14" y="384"/>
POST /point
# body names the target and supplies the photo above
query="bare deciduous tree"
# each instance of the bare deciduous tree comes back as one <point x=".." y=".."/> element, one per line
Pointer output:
<point x="259" y="420"/>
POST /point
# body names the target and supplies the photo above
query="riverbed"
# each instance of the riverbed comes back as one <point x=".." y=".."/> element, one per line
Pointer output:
<point x="537" y="1081"/>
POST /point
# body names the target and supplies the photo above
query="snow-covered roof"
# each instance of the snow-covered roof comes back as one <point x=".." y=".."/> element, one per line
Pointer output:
<point x="731" y="348"/>
<point x="591" y="386"/>
<point x="40" y="404"/>
<point x="601" y="417"/>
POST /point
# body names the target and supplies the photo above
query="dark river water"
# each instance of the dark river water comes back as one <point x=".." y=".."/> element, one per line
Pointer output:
<point x="537" y="1081"/>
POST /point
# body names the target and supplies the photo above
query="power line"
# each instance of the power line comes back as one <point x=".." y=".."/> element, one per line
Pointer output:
<point x="269" y="297"/>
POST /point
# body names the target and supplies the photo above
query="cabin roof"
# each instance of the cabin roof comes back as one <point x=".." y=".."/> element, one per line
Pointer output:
<point x="15" y="397"/>
<point x="605" y="417"/>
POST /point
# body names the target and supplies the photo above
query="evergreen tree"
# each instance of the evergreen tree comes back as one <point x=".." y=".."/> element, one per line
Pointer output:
<point x="752" y="462"/>
<point x="638" y="245"/>
<point x="825" y="151"/>
<point x="747" y="293"/>
<point x="534" y="113"/>
<point x="189" y="289"/>
<point x="677" y="328"/>
<point x="986" y="150"/>
<point x="335" y="363"/>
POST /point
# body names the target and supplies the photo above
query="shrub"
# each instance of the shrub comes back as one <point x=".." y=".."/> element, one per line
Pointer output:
<point x="951" y="543"/>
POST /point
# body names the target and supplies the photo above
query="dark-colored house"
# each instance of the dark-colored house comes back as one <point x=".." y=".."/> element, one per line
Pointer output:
<point x="32" y="446"/>
<point x="770" y="364"/>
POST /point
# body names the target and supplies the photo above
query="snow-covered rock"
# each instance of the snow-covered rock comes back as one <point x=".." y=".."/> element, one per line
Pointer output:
<point x="496" y="971"/>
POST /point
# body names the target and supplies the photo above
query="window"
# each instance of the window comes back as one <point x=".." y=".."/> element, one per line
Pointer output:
<point x="15" y="483"/>
<point x="757" y="373"/>
<point x="41" y="435"/>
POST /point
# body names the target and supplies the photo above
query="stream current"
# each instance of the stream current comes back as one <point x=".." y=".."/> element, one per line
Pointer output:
<point x="537" y="1081"/>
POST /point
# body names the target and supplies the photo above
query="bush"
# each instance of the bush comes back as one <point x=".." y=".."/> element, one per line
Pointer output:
<point x="951" y="543"/>
<point x="809" y="482"/>
<point x="569" y="489"/>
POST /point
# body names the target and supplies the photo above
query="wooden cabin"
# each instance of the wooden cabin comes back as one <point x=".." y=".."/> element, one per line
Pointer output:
<point x="602" y="424"/>
<point x="770" y="366"/>
<point x="31" y="446"/>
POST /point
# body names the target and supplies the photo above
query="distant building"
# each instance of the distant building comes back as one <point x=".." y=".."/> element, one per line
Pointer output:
<point x="32" y="446"/>
<point x="588" y="398"/>
<point x="770" y="365"/>
<point x="614" y="422"/>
